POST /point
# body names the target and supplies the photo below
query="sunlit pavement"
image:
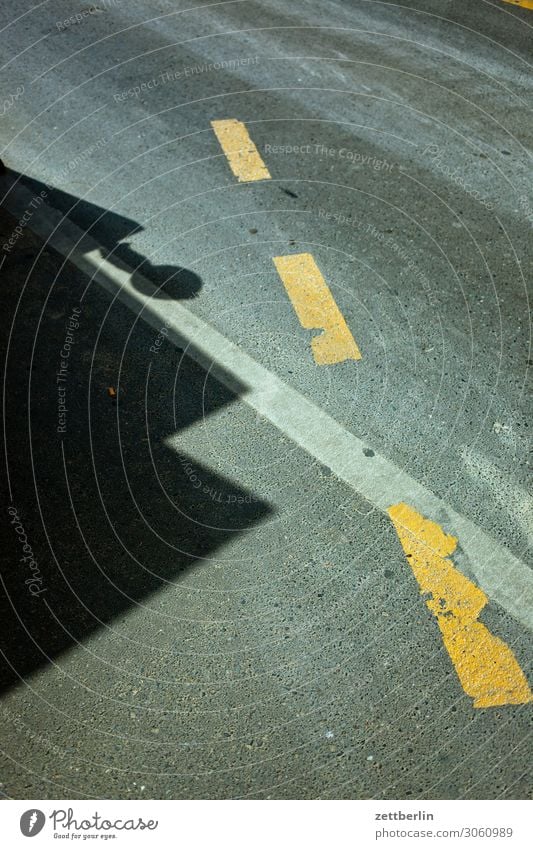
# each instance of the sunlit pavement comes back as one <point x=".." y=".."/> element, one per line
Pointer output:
<point x="265" y="272"/>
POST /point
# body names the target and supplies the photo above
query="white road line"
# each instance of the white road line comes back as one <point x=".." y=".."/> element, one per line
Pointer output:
<point x="503" y="577"/>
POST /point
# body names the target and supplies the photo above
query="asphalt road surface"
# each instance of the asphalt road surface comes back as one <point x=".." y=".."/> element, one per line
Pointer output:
<point x="267" y="529"/>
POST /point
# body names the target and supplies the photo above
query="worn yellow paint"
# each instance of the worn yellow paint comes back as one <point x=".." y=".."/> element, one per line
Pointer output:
<point x="526" y="4"/>
<point x="487" y="668"/>
<point x="316" y="308"/>
<point x="241" y="152"/>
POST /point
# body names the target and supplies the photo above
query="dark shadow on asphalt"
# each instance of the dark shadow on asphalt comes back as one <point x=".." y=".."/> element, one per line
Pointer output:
<point x="111" y="231"/>
<point x="110" y="513"/>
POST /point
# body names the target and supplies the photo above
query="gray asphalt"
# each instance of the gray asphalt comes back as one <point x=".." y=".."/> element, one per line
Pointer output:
<point x="224" y="618"/>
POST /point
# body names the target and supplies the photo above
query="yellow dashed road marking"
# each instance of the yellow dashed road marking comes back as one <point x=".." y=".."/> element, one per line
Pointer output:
<point x="526" y="4"/>
<point x="316" y="308"/>
<point x="241" y="152"/>
<point x="487" y="668"/>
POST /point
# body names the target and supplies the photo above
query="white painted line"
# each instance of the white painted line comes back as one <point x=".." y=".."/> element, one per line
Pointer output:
<point x="503" y="577"/>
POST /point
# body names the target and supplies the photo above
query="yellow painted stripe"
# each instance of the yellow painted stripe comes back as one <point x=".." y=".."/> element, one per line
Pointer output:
<point x="241" y="152"/>
<point x="487" y="668"/>
<point x="316" y="308"/>
<point x="526" y="4"/>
